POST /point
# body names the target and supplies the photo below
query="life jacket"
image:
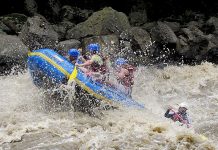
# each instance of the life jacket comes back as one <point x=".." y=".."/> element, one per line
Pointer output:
<point x="128" y="81"/>
<point x="181" y="117"/>
<point x="97" y="67"/>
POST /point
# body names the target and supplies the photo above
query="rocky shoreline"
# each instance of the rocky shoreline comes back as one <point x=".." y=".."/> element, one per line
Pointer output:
<point x="189" y="38"/>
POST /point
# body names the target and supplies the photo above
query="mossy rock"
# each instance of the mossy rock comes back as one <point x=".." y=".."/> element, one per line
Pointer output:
<point x="103" y="22"/>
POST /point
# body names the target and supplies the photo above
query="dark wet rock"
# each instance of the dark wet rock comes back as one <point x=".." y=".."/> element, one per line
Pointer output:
<point x="14" y="22"/>
<point x="141" y="42"/>
<point x="12" y="52"/>
<point x="162" y="33"/>
<point x="193" y="44"/>
<point x="138" y="18"/>
<point x="64" y="46"/>
<point x="212" y="55"/>
<point x="31" y="7"/>
<point x="134" y="45"/>
<point x="213" y="23"/>
<point x="74" y="14"/>
<point x="62" y="29"/>
<point x="175" y="26"/>
<point x="52" y="9"/>
<point x="190" y="15"/>
<point x="197" y="24"/>
<point x="38" y="33"/>
<point x="213" y="39"/>
<point x="2" y="32"/>
<point x="4" y="29"/>
<point x="148" y="26"/>
<point x="103" y="22"/>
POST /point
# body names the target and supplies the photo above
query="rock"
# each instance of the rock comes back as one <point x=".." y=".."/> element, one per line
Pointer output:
<point x="141" y="39"/>
<point x="213" y="39"/>
<point x="2" y="32"/>
<point x="213" y="21"/>
<point x="212" y="55"/>
<point x="197" y="24"/>
<point x="104" y="22"/>
<point x="175" y="26"/>
<point x="31" y="7"/>
<point x="62" y="29"/>
<point x="134" y="45"/>
<point x="138" y="18"/>
<point x="109" y="44"/>
<point x="64" y="46"/>
<point x="12" y="52"/>
<point x="38" y="33"/>
<point x="14" y="21"/>
<point x="148" y="26"/>
<point x="162" y="33"/>
<point x="193" y="44"/>
<point x="74" y="14"/>
<point x="4" y="29"/>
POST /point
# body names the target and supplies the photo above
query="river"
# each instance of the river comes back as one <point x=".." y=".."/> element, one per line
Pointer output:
<point x="25" y="123"/>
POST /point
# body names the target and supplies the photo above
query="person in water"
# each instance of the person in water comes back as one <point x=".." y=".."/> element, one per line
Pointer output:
<point x="124" y="73"/>
<point x="95" y="66"/>
<point x="181" y="115"/>
<point x="73" y="55"/>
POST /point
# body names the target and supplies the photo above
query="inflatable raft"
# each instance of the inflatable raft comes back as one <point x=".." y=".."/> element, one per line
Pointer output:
<point x="51" y="65"/>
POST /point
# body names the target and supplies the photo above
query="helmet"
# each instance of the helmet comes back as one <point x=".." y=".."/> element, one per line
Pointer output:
<point x="121" y="61"/>
<point x="184" y="105"/>
<point x="74" y="52"/>
<point x="94" y="47"/>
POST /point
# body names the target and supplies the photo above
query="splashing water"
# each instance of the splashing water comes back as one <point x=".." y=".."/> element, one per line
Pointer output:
<point x="24" y="118"/>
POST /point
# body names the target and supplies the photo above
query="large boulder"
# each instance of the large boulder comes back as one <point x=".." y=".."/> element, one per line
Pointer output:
<point x="64" y="46"/>
<point x="4" y="29"/>
<point x="175" y="26"/>
<point x="213" y="22"/>
<point x="212" y="55"/>
<point x="14" y="22"/>
<point x="140" y="37"/>
<point x="62" y="29"/>
<point x="31" y="7"/>
<point x="138" y="18"/>
<point x="164" y="42"/>
<point x="74" y="14"/>
<point x="104" y="22"/>
<point x="134" y="45"/>
<point x="12" y="52"/>
<point x="193" y="44"/>
<point x="163" y="34"/>
<point x="38" y="33"/>
<point x="140" y="45"/>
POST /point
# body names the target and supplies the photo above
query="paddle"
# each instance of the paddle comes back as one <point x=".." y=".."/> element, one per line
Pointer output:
<point x="183" y="121"/>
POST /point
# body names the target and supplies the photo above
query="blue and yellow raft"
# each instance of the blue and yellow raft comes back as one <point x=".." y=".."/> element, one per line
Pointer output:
<point x="51" y="65"/>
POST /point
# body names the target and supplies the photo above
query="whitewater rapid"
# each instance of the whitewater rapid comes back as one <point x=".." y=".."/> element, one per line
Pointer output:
<point x="25" y="123"/>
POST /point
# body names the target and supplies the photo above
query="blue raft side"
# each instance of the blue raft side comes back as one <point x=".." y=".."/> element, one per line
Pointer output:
<point x="37" y="63"/>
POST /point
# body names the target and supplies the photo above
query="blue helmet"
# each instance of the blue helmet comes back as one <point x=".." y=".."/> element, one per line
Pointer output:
<point x="74" y="52"/>
<point x="120" y="61"/>
<point x="94" y="47"/>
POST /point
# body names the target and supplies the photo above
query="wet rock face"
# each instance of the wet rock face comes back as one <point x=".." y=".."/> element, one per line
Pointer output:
<point x="103" y="22"/>
<point x="14" y="22"/>
<point x="163" y="33"/>
<point x="74" y="14"/>
<point x="38" y="33"/>
<point x="12" y="52"/>
<point x="193" y="44"/>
